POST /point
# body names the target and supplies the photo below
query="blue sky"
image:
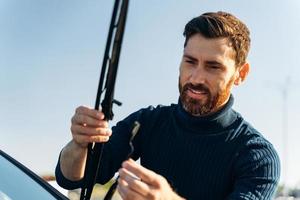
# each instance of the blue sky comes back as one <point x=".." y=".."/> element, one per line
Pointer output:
<point x="51" y="54"/>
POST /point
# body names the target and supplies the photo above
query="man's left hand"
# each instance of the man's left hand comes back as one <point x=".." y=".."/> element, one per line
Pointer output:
<point x="137" y="182"/>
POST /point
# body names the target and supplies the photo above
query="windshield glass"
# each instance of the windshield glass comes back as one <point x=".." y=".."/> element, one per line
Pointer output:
<point x="16" y="185"/>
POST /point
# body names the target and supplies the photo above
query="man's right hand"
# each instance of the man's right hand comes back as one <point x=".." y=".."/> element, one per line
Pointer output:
<point x="88" y="125"/>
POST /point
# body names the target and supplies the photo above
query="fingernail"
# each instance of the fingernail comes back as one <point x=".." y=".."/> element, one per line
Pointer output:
<point x="100" y="115"/>
<point x="124" y="163"/>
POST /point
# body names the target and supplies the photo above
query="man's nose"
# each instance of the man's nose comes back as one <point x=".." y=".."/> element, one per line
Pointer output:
<point x="198" y="75"/>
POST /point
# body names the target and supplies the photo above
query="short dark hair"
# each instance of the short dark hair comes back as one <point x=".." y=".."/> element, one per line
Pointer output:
<point x="221" y="24"/>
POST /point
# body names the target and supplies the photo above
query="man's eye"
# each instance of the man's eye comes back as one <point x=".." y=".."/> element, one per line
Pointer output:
<point x="214" y="67"/>
<point x="190" y="61"/>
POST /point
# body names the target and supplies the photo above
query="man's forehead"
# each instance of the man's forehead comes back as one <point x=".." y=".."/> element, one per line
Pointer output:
<point x="212" y="48"/>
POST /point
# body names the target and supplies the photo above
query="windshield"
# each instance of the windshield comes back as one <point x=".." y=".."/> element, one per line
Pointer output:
<point x="17" y="185"/>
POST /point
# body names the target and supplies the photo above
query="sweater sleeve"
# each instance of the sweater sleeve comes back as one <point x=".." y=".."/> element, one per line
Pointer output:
<point x="256" y="171"/>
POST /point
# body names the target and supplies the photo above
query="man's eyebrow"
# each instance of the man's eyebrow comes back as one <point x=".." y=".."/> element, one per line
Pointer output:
<point x="213" y="62"/>
<point x="189" y="57"/>
<point x="208" y="62"/>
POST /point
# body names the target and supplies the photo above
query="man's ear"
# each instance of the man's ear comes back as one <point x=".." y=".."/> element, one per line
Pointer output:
<point x="242" y="73"/>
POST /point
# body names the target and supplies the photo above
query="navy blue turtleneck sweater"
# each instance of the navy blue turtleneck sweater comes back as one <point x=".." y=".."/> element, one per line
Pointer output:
<point x="219" y="156"/>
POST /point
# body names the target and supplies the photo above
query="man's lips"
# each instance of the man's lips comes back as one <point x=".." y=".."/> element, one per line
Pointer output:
<point x="196" y="94"/>
<point x="197" y="91"/>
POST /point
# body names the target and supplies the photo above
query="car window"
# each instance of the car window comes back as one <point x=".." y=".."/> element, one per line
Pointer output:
<point x="15" y="184"/>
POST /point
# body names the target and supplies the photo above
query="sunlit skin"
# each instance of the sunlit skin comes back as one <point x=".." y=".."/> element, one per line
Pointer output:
<point x="208" y="72"/>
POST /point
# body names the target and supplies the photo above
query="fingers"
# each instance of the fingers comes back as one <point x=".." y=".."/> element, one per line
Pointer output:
<point x="88" y="125"/>
<point x="89" y="117"/>
<point x="126" y="193"/>
<point x="133" y="182"/>
<point x="146" y="175"/>
<point x="88" y="121"/>
<point x="85" y="130"/>
<point x="83" y="140"/>
<point x="137" y="182"/>
<point x="90" y="112"/>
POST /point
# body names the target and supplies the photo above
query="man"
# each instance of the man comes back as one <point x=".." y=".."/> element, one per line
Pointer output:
<point x="199" y="148"/>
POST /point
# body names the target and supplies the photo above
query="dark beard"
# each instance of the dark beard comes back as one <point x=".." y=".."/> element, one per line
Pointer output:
<point x="199" y="108"/>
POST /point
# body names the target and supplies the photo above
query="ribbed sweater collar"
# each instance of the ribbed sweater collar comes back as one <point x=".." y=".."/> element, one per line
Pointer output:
<point x="209" y="124"/>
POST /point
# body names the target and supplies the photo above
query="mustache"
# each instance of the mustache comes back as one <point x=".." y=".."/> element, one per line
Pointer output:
<point x="199" y="87"/>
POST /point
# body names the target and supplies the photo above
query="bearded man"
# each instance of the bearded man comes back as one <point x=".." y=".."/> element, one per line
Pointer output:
<point x="199" y="148"/>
